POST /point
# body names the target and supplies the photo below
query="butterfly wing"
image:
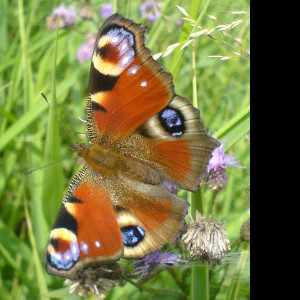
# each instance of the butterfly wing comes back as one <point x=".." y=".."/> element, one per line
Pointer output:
<point x="86" y="230"/>
<point x="127" y="86"/>
<point x="149" y="216"/>
<point x="180" y="143"/>
<point x="130" y="93"/>
<point x="103" y="219"/>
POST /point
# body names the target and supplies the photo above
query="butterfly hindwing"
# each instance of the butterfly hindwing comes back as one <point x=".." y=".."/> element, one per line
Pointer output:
<point x="86" y="230"/>
<point x="103" y="219"/>
<point x="180" y="143"/>
<point x="149" y="216"/>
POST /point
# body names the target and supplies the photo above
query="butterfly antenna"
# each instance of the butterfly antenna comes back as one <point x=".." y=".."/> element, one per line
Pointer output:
<point x="31" y="171"/>
<point x="59" y="120"/>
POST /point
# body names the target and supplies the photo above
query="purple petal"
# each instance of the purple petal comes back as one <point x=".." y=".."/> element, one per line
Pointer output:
<point x="106" y="10"/>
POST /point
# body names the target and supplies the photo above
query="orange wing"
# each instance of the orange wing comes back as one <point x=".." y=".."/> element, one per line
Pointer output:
<point x="127" y="86"/>
<point x="86" y="230"/>
<point x="180" y="143"/>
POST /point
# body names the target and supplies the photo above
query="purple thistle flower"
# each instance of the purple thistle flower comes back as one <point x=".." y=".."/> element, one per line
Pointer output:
<point x="150" y="10"/>
<point x="106" y="10"/>
<point x="67" y="17"/>
<point x="220" y="160"/>
<point x="217" y="178"/>
<point x="156" y="259"/>
<point x="85" y="50"/>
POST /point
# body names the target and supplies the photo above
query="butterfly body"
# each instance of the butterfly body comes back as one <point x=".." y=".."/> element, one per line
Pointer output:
<point x="142" y="136"/>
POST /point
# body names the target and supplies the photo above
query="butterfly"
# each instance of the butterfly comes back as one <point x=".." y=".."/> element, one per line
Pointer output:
<point x="142" y="137"/>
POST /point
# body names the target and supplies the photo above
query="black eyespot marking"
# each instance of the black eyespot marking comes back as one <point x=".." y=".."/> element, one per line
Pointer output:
<point x="100" y="82"/>
<point x="65" y="220"/>
<point x="132" y="235"/>
<point x="119" y="208"/>
<point x="53" y="242"/>
<point x="97" y="106"/>
<point x="172" y="121"/>
<point x="101" y="51"/>
<point x="73" y="199"/>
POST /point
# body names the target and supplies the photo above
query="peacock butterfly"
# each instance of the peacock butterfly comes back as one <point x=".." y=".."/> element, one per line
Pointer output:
<point x="142" y="135"/>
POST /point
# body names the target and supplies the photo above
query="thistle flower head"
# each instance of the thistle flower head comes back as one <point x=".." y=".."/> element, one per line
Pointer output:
<point x="67" y="17"/>
<point x="150" y="10"/>
<point x="155" y="260"/>
<point x="206" y="240"/>
<point x="95" y="280"/>
<point x="85" y="50"/>
<point x="106" y="10"/>
<point x="221" y="160"/>
<point x="217" y="177"/>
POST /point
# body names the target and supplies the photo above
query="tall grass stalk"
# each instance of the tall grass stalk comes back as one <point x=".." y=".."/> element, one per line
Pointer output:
<point x="199" y="275"/>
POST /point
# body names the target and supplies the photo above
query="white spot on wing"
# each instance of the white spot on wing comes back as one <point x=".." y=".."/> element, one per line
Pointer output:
<point x="133" y="70"/>
<point x="115" y="39"/>
<point x="84" y="247"/>
<point x="144" y="84"/>
<point x="125" y="60"/>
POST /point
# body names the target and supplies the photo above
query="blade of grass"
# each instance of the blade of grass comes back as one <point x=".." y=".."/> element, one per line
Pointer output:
<point x="34" y="112"/>
<point x="236" y="128"/>
<point x="37" y="263"/>
<point x="10" y="241"/>
<point x="199" y="277"/>
<point x="52" y="176"/>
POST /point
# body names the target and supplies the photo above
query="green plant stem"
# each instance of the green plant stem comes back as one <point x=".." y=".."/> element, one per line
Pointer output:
<point x="200" y="274"/>
<point x="115" y="6"/>
<point x="213" y="206"/>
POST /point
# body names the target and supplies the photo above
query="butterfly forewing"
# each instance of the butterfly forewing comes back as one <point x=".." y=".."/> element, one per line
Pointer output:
<point x="127" y="86"/>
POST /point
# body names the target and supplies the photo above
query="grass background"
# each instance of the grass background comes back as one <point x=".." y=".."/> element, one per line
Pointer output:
<point x="31" y="137"/>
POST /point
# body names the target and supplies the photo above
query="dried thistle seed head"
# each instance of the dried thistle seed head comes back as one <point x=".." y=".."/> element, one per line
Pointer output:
<point x="245" y="231"/>
<point x="95" y="280"/>
<point x="206" y="240"/>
